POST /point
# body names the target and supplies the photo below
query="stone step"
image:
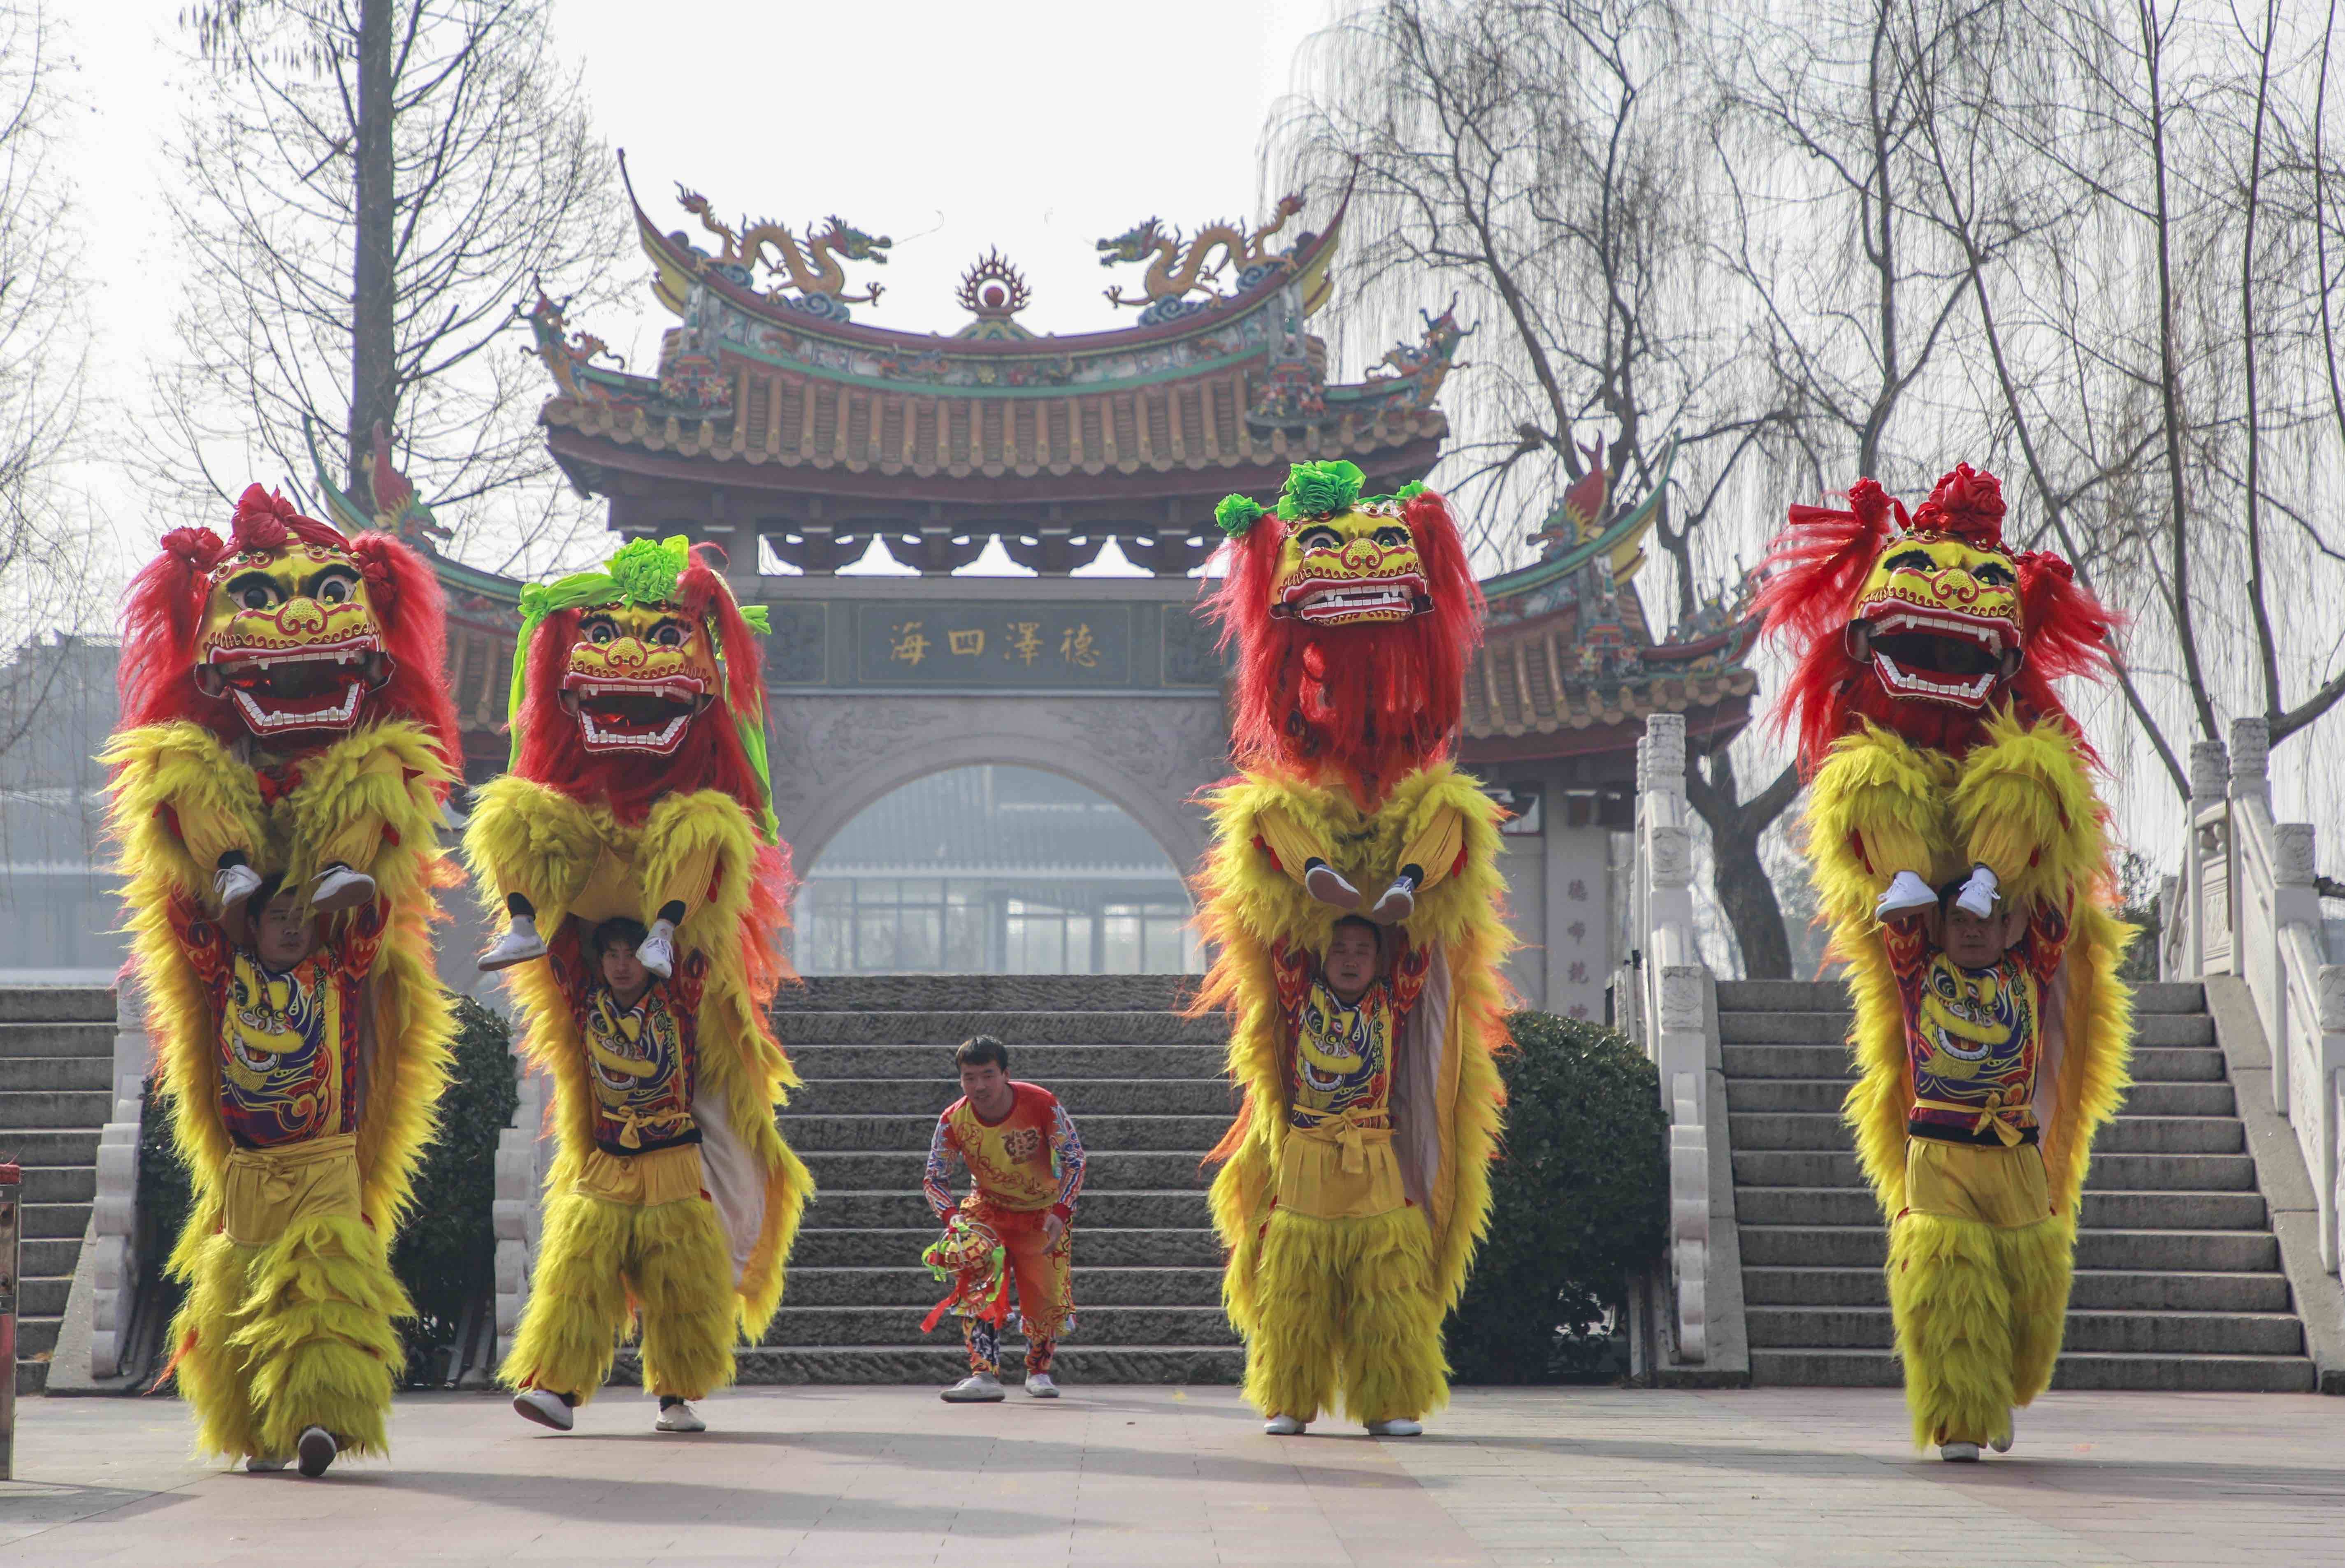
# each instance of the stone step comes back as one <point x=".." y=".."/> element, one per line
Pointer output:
<point x="1135" y="1247"/>
<point x="942" y="1363"/>
<point x="53" y="1221"/>
<point x="72" y="1184"/>
<point x="2102" y="1211"/>
<point x="58" y="1039"/>
<point x="1867" y="1247"/>
<point x="908" y="1210"/>
<point x="987" y="993"/>
<point x="2087" y="1369"/>
<point x="1804" y="996"/>
<point x="913" y="1286"/>
<point x="37" y="1337"/>
<point x="1081" y="1096"/>
<point x="809" y="1134"/>
<point x="799" y="1030"/>
<point x="2094" y="1289"/>
<point x="1111" y="1172"/>
<point x="1811" y="1030"/>
<point x="2124" y="1173"/>
<point x="56" y="1004"/>
<point x="2161" y="1063"/>
<point x="2131" y="1333"/>
<point x="42" y="1298"/>
<point x="50" y="1258"/>
<point x="34" y="1109"/>
<point x="811" y="1326"/>
<point x="1817" y="1096"/>
<point x="32" y="1379"/>
<point x="24" y="1073"/>
<point x="49" y="1145"/>
<point x="1047" y="1064"/>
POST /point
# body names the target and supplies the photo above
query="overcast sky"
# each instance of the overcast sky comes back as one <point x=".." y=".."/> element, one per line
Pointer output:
<point x="1036" y="128"/>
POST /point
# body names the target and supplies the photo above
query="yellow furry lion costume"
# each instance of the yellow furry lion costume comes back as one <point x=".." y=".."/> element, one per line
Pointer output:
<point x="1357" y="1184"/>
<point x="639" y="793"/>
<point x="285" y="722"/>
<point x="1951" y="790"/>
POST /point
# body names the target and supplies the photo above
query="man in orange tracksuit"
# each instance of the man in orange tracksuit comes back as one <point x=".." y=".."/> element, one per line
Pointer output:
<point x="1026" y="1166"/>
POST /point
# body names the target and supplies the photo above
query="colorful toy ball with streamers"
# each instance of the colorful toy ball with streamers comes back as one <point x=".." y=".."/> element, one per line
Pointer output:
<point x="970" y="1257"/>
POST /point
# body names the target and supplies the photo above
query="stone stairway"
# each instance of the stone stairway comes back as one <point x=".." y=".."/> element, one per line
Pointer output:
<point x="56" y="1078"/>
<point x="2178" y="1281"/>
<point x="1145" y="1091"/>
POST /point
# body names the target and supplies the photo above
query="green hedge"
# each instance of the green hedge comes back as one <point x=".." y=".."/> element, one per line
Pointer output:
<point x="446" y="1255"/>
<point x="1579" y="1202"/>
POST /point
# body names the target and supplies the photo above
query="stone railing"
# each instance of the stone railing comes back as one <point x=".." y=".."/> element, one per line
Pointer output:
<point x="2244" y="904"/>
<point x="519" y="1208"/>
<point x="114" y="1263"/>
<point x="1663" y="1002"/>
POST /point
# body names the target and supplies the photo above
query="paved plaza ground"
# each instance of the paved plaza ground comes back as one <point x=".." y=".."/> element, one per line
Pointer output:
<point x="1151" y="1476"/>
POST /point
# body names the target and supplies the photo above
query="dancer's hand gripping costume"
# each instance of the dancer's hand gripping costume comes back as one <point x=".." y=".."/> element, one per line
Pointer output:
<point x="1943" y="760"/>
<point x="1355" y="1186"/>
<point x="285" y="719"/>
<point x="639" y="792"/>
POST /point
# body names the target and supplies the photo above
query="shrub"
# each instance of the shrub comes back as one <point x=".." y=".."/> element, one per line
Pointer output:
<point x="1579" y="1201"/>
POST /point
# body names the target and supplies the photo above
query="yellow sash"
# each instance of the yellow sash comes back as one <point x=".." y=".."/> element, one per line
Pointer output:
<point x="265" y="1190"/>
<point x="645" y="1180"/>
<point x="1989" y="1116"/>
<point x="2004" y="1188"/>
<point x="1340" y="1166"/>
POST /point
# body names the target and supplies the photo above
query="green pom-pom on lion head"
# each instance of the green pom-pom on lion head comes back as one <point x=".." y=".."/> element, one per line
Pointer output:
<point x="1320" y="490"/>
<point x="645" y="569"/>
<point x="1237" y="514"/>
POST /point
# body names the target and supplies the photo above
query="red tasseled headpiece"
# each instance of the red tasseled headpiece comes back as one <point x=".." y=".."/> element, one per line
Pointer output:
<point x="1364" y="703"/>
<point x="1968" y="505"/>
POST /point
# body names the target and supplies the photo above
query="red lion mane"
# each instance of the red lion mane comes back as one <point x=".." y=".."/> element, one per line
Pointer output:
<point x="552" y="751"/>
<point x="1365" y="703"/>
<point x="165" y="610"/>
<point x="1812" y="572"/>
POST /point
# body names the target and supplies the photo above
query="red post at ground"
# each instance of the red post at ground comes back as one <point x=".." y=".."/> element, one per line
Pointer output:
<point x="11" y="1185"/>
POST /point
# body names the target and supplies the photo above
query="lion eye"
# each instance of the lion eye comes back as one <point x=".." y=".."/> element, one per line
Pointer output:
<point x="668" y="635"/>
<point x="255" y="591"/>
<point x="334" y="587"/>
<point x="1320" y="539"/>
<point x="1391" y="538"/>
<point x="1993" y="575"/>
<point x="1912" y="560"/>
<point x="601" y="633"/>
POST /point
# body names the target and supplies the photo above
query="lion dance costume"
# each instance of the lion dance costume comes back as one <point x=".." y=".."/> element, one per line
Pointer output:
<point x="1946" y="774"/>
<point x="639" y="792"/>
<point x="1355" y="1186"/>
<point x="285" y="719"/>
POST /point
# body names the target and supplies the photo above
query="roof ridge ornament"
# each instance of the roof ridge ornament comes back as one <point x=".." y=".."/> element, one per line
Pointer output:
<point x="994" y="290"/>
<point x="1179" y="270"/>
<point x="810" y="266"/>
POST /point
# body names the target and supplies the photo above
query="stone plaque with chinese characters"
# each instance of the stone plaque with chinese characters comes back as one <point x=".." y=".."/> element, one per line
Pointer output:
<point x="999" y="643"/>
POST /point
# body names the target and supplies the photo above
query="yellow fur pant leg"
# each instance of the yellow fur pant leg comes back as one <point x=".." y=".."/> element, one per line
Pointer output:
<point x="290" y="1335"/>
<point x="669" y="1258"/>
<point x="1978" y="1309"/>
<point x="1345" y="1307"/>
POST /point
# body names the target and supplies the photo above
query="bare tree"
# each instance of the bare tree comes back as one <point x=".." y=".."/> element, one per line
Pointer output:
<point x="367" y="187"/>
<point x="1545" y="158"/>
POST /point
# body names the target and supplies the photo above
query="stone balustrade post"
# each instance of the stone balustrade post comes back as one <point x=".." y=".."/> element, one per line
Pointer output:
<point x="2250" y="760"/>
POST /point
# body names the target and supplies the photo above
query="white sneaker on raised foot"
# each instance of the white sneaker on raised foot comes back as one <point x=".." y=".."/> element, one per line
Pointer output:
<point x="519" y="944"/>
<point x="1958" y="1452"/>
<point x="339" y="887"/>
<point x="317" y="1448"/>
<point x="256" y="1465"/>
<point x="1399" y="1426"/>
<point x="546" y="1408"/>
<point x="1905" y="893"/>
<point x="1284" y="1426"/>
<point x="1329" y="885"/>
<point x="1398" y="902"/>
<point x="1040" y="1386"/>
<point x="656" y="952"/>
<point x="1979" y="894"/>
<point x="978" y="1388"/>
<point x="679" y="1417"/>
<point x="232" y="884"/>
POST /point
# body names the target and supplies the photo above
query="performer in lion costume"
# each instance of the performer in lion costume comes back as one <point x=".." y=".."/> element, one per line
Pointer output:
<point x="1959" y="848"/>
<point x="285" y="748"/>
<point x="633" y="853"/>
<point x="1353" y="892"/>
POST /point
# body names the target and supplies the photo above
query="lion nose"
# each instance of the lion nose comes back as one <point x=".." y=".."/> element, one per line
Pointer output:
<point x="1363" y="554"/>
<point x="626" y="651"/>
<point x="302" y="615"/>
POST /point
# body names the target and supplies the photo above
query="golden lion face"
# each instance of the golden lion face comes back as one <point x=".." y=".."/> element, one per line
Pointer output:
<point x="1353" y="569"/>
<point x="638" y="675"/>
<point x="291" y="637"/>
<point x="1939" y="620"/>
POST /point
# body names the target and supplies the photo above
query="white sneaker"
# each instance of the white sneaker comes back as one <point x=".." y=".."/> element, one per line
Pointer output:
<point x="339" y="887"/>
<point x="256" y="1465"/>
<point x="1399" y="1426"/>
<point x="1329" y="885"/>
<point x="1398" y="902"/>
<point x="1978" y="895"/>
<point x="679" y="1417"/>
<point x="317" y="1448"/>
<point x="657" y="950"/>
<point x="546" y="1408"/>
<point x="1284" y="1426"/>
<point x="978" y="1388"/>
<point x="519" y="944"/>
<point x="1958" y="1452"/>
<point x="232" y="885"/>
<point x="1905" y="893"/>
<point x="1040" y="1386"/>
